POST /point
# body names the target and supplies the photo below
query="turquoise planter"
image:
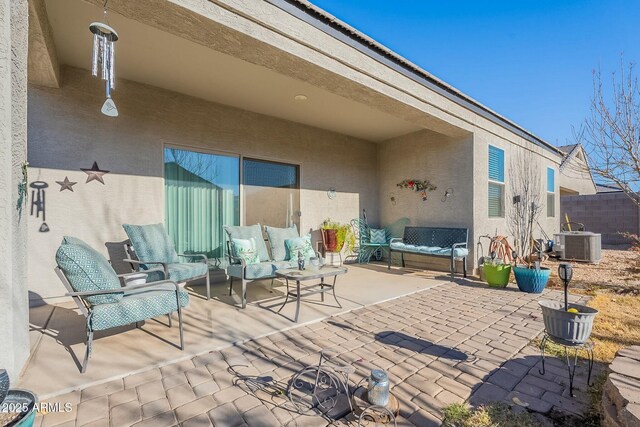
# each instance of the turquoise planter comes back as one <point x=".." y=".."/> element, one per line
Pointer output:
<point x="23" y="399"/>
<point x="531" y="280"/>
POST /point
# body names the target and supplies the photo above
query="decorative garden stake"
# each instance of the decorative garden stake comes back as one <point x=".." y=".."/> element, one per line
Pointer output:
<point x="565" y="271"/>
<point x="103" y="58"/>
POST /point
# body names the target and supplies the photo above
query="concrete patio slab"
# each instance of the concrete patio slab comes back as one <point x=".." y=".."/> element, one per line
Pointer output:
<point x="58" y="332"/>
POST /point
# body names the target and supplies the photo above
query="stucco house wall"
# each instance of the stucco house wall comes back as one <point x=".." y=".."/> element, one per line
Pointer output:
<point x="14" y="308"/>
<point x="485" y="225"/>
<point x="67" y="132"/>
<point x="445" y="161"/>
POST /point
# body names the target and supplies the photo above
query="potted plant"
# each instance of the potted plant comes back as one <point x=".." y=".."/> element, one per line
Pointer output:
<point x="496" y="271"/>
<point x="335" y="236"/>
<point x="523" y="213"/>
<point x="17" y="407"/>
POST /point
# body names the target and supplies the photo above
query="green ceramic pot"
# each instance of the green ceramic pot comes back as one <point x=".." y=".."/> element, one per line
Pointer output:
<point x="497" y="276"/>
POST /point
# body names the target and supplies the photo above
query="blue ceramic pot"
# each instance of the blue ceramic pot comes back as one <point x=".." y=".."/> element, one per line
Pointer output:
<point x="531" y="280"/>
<point x="26" y="400"/>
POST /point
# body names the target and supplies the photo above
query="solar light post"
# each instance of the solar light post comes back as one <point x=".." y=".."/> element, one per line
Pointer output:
<point x="565" y="271"/>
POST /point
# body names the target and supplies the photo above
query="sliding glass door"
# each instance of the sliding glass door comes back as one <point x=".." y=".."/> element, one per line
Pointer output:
<point x="271" y="193"/>
<point x="202" y="194"/>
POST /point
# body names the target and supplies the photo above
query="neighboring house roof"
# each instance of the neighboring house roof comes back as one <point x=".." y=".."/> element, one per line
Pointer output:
<point x="606" y="188"/>
<point x="571" y="151"/>
<point x="338" y="29"/>
<point x="567" y="148"/>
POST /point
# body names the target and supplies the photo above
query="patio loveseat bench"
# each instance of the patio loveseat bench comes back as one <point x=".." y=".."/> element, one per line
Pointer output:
<point x="268" y="261"/>
<point x="442" y="242"/>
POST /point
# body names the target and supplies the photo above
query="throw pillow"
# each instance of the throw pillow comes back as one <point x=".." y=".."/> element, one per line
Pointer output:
<point x="377" y="235"/>
<point x="299" y="244"/>
<point x="246" y="249"/>
<point x="247" y="232"/>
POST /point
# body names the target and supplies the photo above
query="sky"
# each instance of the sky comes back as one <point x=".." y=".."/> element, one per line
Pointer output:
<point x="529" y="60"/>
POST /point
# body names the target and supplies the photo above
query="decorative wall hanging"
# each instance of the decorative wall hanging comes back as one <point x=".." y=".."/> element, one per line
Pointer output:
<point x="447" y="193"/>
<point x="38" y="203"/>
<point x="66" y="184"/>
<point x="22" y="189"/>
<point x="421" y="187"/>
<point x="103" y="58"/>
<point x="95" y="173"/>
<point x="38" y="199"/>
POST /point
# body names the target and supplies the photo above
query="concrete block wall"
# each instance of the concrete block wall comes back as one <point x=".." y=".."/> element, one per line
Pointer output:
<point x="609" y="214"/>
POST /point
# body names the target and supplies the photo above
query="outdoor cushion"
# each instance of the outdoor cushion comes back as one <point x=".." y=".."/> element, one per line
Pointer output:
<point x="277" y="237"/>
<point x="88" y="270"/>
<point x="151" y="243"/>
<point x="138" y="305"/>
<point x="180" y="272"/>
<point x="300" y="244"/>
<point x="429" y="250"/>
<point x="247" y="232"/>
<point x="263" y="270"/>
<point x="377" y="235"/>
<point x="281" y="265"/>
<point x="246" y="250"/>
<point x="254" y="271"/>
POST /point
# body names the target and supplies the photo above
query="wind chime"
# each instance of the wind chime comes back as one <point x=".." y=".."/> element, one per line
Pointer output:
<point x="103" y="60"/>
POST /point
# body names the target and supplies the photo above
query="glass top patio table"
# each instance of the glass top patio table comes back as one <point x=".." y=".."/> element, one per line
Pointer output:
<point x="294" y="274"/>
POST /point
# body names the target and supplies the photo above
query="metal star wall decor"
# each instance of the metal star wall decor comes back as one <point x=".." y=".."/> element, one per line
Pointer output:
<point x="95" y="173"/>
<point x="66" y="184"/>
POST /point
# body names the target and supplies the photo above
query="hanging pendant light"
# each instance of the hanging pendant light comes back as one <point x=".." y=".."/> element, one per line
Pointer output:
<point x="103" y="60"/>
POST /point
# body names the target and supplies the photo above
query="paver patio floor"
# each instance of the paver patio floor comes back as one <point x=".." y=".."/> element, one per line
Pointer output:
<point x="442" y="345"/>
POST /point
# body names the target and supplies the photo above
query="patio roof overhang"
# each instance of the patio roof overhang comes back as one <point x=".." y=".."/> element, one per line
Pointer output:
<point x="212" y="51"/>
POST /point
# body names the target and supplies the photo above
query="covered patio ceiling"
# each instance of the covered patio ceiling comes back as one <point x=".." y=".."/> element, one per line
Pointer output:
<point x="148" y="55"/>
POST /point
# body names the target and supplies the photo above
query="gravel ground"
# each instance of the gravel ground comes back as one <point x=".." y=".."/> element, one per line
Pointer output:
<point x="619" y="269"/>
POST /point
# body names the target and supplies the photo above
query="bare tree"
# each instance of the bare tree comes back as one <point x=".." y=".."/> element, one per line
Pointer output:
<point x="611" y="133"/>
<point x="525" y="205"/>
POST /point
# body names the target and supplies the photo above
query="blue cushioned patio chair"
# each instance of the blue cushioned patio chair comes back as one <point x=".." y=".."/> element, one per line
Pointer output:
<point x="151" y="251"/>
<point x="366" y="248"/>
<point x="95" y="287"/>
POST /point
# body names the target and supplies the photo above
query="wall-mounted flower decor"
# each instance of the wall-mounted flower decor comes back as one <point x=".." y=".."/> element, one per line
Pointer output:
<point x="419" y="186"/>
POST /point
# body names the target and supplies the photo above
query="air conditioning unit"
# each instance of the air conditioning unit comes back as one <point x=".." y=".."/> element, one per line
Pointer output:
<point x="578" y="246"/>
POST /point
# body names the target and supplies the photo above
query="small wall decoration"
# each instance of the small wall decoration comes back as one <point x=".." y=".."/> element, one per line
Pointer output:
<point x="38" y="199"/>
<point x="66" y="184"/>
<point x="447" y="193"/>
<point x="95" y="173"/>
<point x="392" y="198"/>
<point x="22" y="188"/>
<point x="419" y="186"/>
<point x="38" y="203"/>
